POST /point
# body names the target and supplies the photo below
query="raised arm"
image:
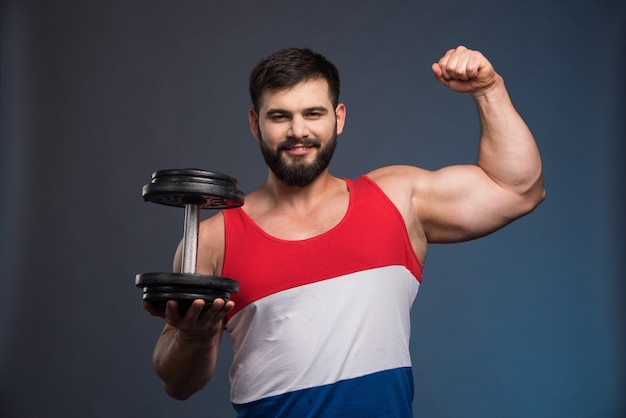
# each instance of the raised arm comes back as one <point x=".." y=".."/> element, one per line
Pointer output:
<point x="471" y="201"/>
<point x="186" y="352"/>
<point x="463" y="202"/>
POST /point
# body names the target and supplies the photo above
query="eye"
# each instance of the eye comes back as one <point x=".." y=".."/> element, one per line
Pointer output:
<point x="278" y="117"/>
<point x="315" y="112"/>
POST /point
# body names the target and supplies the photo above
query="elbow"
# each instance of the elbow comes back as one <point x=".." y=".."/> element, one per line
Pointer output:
<point x="180" y="394"/>
<point x="542" y="195"/>
<point x="532" y="196"/>
<point x="538" y="192"/>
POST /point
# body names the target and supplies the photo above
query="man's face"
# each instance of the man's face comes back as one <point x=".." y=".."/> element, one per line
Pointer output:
<point x="297" y="130"/>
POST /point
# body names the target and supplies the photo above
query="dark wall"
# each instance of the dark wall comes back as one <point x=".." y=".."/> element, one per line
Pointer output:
<point x="528" y="322"/>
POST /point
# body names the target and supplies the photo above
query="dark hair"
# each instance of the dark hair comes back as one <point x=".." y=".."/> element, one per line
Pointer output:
<point x="291" y="66"/>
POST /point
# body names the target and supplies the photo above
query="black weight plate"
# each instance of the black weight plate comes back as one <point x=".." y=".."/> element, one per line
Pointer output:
<point x="207" y="195"/>
<point x="193" y="179"/>
<point x="188" y="280"/>
<point x="160" y="296"/>
<point x="194" y="176"/>
<point x="185" y="290"/>
<point x="165" y="293"/>
<point x="201" y="175"/>
<point x="179" y="187"/>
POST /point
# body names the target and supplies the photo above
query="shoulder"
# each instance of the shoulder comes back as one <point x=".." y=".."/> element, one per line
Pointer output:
<point x="211" y="245"/>
<point x="212" y="225"/>
<point x="407" y="172"/>
<point x="400" y="181"/>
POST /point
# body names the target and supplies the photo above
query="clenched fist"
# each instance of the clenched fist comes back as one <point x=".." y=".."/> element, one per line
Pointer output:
<point x="465" y="71"/>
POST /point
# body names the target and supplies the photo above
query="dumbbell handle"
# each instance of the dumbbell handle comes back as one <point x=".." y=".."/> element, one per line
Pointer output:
<point x="190" y="238"/>
<point x="195" y="190"/>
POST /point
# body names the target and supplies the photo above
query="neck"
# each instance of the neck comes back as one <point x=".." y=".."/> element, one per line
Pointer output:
<point x="295" y="197"/>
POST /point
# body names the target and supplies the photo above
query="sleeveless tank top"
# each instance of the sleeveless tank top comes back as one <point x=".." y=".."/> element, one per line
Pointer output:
<point x="321" y="326"/>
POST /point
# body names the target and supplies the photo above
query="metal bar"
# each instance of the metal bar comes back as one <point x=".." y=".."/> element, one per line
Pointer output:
<point x="190" y="239"/>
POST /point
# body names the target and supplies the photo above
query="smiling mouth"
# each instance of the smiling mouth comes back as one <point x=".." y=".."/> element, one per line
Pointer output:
<point x="299" y="150"/>
<point x="299" y="146"/>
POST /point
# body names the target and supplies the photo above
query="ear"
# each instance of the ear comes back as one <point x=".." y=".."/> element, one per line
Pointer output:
<point x="253" y="120"/>
<point x="340" y="114"/>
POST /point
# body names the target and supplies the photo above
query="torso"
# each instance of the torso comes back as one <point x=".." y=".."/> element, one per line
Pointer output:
<point x="357" y="255"/>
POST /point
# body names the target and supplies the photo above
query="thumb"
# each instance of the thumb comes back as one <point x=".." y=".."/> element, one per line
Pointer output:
<point x="438" y="73"/>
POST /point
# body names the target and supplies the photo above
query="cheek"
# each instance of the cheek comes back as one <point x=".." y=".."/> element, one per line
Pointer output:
<point x="324" y="130"/>
<point x="271" y="133"/>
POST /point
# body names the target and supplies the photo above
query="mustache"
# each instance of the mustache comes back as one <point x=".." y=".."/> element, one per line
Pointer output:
<point x="292" y="142"/>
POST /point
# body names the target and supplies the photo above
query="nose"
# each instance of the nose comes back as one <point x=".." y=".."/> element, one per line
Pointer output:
<point x="298" y="128"/>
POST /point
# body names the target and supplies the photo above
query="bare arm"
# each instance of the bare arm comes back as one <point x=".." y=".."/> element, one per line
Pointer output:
<point x="186" y="352"/>
<point x="463" y="202"/>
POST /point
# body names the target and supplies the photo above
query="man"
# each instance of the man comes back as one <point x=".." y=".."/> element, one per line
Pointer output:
<point x="329" y="267"/>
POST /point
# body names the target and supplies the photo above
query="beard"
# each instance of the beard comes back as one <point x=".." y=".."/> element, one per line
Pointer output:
<point x="298" y="173"/>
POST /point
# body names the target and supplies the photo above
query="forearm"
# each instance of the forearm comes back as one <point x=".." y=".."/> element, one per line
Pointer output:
<point x="184" y="364"/>
<point x="508" y="152"/>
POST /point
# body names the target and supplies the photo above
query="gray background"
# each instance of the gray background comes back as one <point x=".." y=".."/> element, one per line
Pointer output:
<point x="528" y="322"/>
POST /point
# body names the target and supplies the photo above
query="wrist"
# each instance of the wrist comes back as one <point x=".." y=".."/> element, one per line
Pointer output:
<point x="201" y="341"/>
<point x="494" y="92"/>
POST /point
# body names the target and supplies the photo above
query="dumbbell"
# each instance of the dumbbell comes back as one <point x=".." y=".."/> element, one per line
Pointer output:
<point x="194" y="190"/>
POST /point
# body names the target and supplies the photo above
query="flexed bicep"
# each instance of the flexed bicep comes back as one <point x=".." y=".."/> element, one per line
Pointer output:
<point x="461" y="202"/>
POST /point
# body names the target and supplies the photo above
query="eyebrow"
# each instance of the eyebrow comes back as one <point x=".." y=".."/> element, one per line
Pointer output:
<point x="321" y="109"/>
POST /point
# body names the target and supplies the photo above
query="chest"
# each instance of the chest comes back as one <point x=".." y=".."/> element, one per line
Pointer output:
<point x="304" y="224"/>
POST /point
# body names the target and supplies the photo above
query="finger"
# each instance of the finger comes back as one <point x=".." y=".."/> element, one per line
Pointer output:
<point x="455" y="66"/>
<point x="195" y="310"/>
<point x="218" y="310"/>
<point x="475" y="62"/>
<point x="443" y="64"/>
<point x="464" y="64"/>
<point x="437" y="71"/>
<point x="172" y="313"/>
<point x="152" y="309"/>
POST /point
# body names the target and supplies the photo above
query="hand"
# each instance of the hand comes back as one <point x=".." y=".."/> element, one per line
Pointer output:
<point x="465" y="71"/>
<point x="197" y="321"/>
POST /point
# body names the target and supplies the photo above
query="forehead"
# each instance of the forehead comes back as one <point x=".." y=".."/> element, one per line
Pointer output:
<point x="309" y="93"/>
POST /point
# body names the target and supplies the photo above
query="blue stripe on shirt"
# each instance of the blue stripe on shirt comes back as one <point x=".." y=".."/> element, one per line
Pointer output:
<point x="386" y="394"/>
